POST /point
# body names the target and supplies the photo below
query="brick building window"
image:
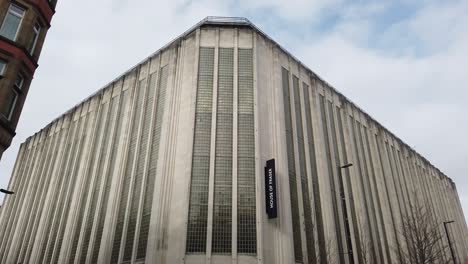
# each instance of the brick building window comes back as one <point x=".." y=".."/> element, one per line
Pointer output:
<point x="12" y="97"/>
<point x="36" y="31"/>
<point x="12" y="22"/>
<point x="2" y="66"/>
<point x="19" y="82"/>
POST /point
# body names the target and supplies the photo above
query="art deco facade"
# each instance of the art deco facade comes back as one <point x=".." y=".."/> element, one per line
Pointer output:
<point x="23" y="28"/>
<point x="166" y="165"/>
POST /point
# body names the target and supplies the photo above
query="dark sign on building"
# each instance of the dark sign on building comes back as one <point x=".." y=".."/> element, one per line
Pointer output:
<point x="270" y="189"/>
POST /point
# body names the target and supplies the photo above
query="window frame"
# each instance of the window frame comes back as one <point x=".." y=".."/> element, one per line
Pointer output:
<point x="4" y="67"/>
<point x="37" y="28"/>
<point x="10" y="11"/>
<point x="13" y="105"/>
<point x="16" y="86"/>
<point x="17" y="89"/>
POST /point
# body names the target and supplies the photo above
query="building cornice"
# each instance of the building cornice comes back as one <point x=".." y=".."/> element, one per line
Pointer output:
<point x="18" y="52"/>
<point x="44" y="8"/>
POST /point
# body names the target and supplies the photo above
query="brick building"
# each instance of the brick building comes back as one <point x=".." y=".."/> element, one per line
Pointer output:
<point x="24" y="26"/>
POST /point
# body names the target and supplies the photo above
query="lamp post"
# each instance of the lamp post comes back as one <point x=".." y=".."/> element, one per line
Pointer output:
<point x="345" y="215"/>
<point x="6" y="191"/>
<point x="448" y="239"/>
<point x="346" y="166"/>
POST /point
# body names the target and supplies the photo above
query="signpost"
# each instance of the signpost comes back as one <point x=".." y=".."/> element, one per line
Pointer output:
<point x="270" y="190"/>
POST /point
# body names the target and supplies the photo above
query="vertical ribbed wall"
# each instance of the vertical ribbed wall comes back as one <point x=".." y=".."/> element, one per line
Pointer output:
<point x="304" y="179"/>
<point x="288" y="105"/>
<point x="71" y="166"/>
<point x="164" y="165"/>
<point x="153" y="159"/>
<point x="364" y="205"/>
<point x="315" y="181"/>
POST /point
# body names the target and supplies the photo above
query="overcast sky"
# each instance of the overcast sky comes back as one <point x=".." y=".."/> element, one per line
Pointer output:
<point x="403" y="61"/>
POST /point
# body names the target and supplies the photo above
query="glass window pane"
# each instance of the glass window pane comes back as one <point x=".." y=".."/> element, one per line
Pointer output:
<point x="19" y="81"/>
<point x="16" y="10"/>
<point x="198" y="208"/>
<point x="10" y="102"/>
<point x="2" y="66"/>
<point x="35" y="36"/>
<point x="11" y="23"/>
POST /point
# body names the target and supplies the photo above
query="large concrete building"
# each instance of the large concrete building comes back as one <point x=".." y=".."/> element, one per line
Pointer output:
<point x="166" y="164"/>
<point x="23" y="28"/>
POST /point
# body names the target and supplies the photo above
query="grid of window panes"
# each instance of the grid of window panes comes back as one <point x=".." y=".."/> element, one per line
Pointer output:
<point x="246" y="203"/>
<point x="140" y="162"/>
<point x="128" y="173"/>
<point x="110" y="152"/>
<point x="222" y="204"/>
<point x="331" y="176"/>
<point x="309" y="232"/>
<point x="148" y="200"/>
<point x="198" y="206"/>
<point x="291" y="168"/>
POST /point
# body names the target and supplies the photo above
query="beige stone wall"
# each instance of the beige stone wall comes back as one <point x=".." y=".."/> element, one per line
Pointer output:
<point x="384" y="179"/>
<point x="81" y="182"/>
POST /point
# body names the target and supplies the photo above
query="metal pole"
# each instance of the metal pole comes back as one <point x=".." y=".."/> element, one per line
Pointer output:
<point x="6" y="191"/>
<point x="449" y="242"/>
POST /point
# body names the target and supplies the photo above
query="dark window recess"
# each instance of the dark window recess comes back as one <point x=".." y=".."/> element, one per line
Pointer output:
<point x="292" y="169"/>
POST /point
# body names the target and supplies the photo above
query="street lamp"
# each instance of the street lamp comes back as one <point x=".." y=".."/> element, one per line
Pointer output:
<point x="448" y="239"/>
<point x="346" y="166"/>
<point x="6" y="191"/>
<point x="345" y="214"/>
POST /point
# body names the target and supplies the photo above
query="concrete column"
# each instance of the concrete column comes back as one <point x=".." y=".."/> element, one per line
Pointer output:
<point x="276" y="236"/>
<point x="169" y="142"/>
<point x="180" y="197"/>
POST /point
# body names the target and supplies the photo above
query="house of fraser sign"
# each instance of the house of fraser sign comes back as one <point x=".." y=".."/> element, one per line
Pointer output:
<point x="270" y="189"/>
